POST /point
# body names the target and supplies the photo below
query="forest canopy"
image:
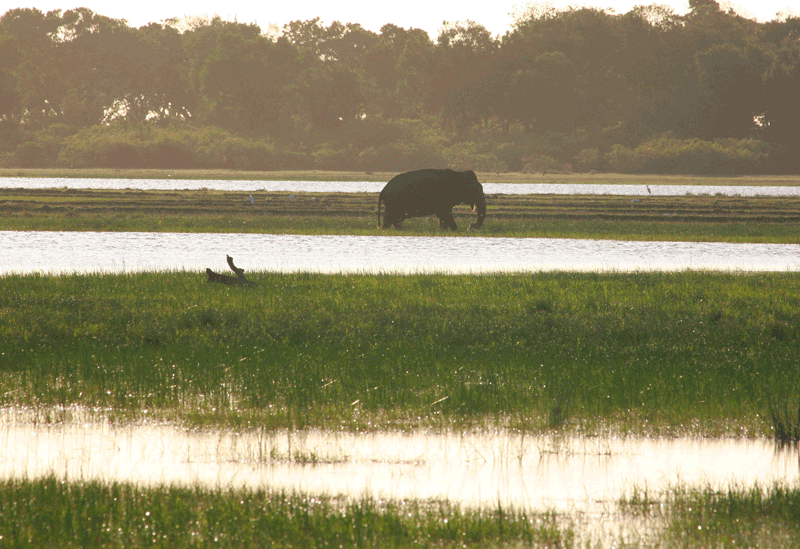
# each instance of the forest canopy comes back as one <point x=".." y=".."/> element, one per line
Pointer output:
<point x="578" y="89"/>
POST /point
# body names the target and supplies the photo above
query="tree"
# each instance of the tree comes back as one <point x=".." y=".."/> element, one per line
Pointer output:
<point x="462" y="79"/>
<point x="334" y="62"/>
<point x="567" y="60"/>
<point x="102" y="60"/>
<point x="39" y="89"/>
<point x="240" y="76"/>
<point x="781" y="119"/>
<point x="730" y="81"/>
<point x="9" y="61"/>
<point x="334" y="97"/>
<point x="397" y="73"/>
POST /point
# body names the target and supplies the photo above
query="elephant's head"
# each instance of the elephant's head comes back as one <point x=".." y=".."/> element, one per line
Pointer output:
<point x="476" y="200"/>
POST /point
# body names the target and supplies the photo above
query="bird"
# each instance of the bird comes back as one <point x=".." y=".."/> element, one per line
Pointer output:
<point x="648" y="189"/>
<point x="252" y="200"/>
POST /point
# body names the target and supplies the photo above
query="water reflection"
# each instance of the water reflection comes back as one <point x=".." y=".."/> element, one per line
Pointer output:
<point x="54" y="252"/>
<point x="474" y="469"/>
<point x="640" y="189"/>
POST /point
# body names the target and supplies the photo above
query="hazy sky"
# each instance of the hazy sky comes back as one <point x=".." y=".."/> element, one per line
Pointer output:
<point x="495" y="15"/>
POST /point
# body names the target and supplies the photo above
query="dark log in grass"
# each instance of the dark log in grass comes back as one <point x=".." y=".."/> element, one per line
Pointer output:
<point x="238" y="280"/>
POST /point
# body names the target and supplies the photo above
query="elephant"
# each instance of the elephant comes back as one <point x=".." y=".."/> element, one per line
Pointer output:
<point x="428" y="192"/>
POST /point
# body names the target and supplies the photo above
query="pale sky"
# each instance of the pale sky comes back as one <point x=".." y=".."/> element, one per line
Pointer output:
<point x="495" y="15"/>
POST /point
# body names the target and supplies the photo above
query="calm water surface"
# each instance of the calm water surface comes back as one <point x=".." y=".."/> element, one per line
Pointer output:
<point x="58" y="252"/>
<point x="475" y="469"/>
<point x="581" y="478"/>
<point x="374" y="187"/>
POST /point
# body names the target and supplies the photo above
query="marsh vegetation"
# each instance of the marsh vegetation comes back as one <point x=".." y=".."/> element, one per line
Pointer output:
<point x="682" y="218"/>
<point x="652" y="353"/>
<point x="623" y="354"/>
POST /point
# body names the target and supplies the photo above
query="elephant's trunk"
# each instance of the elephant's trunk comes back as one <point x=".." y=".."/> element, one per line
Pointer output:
<point x="480" y="206"/>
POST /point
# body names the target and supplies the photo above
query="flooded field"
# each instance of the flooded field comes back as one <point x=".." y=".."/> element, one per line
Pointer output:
<point x="562" y="473"/>
<point x="53" y="252"/>
<point x="666" y="189"/>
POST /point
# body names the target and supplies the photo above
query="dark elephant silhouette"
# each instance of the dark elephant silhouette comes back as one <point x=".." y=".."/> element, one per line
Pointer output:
<point x="431" y="192"/>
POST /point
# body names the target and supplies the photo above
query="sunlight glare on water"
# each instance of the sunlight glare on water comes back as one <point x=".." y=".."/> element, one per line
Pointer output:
<point x="639" y="189"/>
<point x="59" y="252"/>
<point x="474" y="469"/>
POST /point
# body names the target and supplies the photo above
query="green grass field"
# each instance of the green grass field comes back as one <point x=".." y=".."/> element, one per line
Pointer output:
<point x="697" y="353"/>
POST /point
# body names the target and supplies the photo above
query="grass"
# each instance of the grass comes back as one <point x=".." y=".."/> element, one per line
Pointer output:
<point x="54" y="513"/>
<point x="648" y="353"/>
<point x="50" y="512"/>
<point x="730" y="517"/>
<point x="680" y="218"/>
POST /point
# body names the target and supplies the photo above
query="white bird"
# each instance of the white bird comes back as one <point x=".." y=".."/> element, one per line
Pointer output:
<point x="252" y="200"/>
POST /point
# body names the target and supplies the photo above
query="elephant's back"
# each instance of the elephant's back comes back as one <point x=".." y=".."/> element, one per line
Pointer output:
<point x="416" y="183"/>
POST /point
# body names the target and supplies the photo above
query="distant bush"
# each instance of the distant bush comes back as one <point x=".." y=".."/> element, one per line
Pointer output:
<point x="466" y="155"/>
<point x="149" y="147"/>
<point x="169" y="152"/>
<point x="38" y="149"/>
<point x="330" y="157"/>
<point x="542" y="163"/>
<point x="34" y="154"/>
<point x="589" y="160"/>
<point x="667" y="154"/>
<point x="104" y="147"/>
<point x="376" y="145"/>
<point x="244" y="154"/>
<point x="517" y="151"/>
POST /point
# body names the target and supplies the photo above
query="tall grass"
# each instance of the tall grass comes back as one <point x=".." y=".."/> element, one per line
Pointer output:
<point x="647" y="352"/>
<point x="55" y="513"/>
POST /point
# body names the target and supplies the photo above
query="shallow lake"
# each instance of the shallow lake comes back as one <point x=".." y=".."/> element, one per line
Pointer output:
<point x="55" y="252"/>
<point x="374" y="187"/>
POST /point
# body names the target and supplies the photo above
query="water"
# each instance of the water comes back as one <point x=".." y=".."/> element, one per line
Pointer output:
<point x="90" y="252"/>
<point x="475" y="469"/>
<point x="373" y="187"/>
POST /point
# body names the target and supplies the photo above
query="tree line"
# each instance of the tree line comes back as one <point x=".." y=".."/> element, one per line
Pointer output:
<point x="585" y="89"/>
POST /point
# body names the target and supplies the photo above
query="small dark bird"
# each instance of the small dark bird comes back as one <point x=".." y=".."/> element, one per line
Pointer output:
<point x="648" y="189"/>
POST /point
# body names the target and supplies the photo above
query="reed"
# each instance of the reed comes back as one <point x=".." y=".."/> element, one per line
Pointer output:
<point x="691" y="352"/>
<point x="785" y="421"/>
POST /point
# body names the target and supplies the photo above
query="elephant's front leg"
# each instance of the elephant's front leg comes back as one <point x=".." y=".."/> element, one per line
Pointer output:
<point x="446" y="221"/>
<point x="391" y="219"/>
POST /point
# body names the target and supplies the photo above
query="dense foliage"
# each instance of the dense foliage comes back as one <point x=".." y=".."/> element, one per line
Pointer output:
<point x="582" y="88"/>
